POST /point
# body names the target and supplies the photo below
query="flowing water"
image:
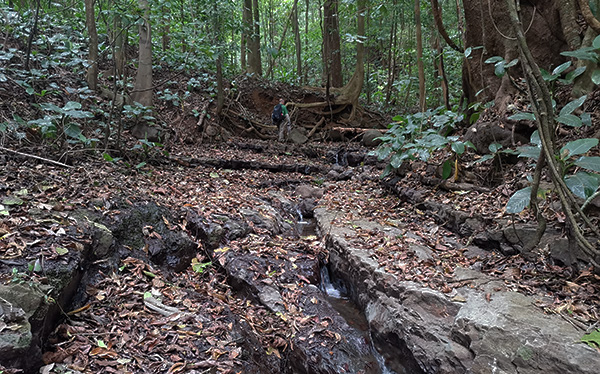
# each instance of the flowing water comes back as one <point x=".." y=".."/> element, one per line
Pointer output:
<point x="337" y="295"/>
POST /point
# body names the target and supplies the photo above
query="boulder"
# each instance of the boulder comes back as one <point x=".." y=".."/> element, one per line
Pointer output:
<point x="297" y="137"/>
<point x="480" y="328"/>
<point x="370" y="138"/>
<point x="147" y="227"/>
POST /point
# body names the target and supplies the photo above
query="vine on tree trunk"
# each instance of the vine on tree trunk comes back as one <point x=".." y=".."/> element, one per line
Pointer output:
<point x="541" y="102"/>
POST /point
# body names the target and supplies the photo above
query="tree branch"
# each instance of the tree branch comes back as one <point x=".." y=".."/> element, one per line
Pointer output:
<point x="439" y="23"/>
<point x="584" y="5"/>
<point x="36" y="157"/>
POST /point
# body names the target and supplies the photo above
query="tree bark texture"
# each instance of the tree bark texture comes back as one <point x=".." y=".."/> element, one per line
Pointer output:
<point x="90" y="21"/>
<point x="142" y="92"/>
<point x="254" y="58"/>
<point x="332" y="58"/>
<point x="297" y="43"/>
<point x="246" y="31"/>
<point x="420" y="65"/>
<point x="487" y="24"/>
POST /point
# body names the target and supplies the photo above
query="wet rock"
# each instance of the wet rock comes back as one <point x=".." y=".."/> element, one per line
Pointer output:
<point x="19" y="342"/>
<point x="483" y="328"/>
<point x="266" y="218"/>
<point x="307" y="207"/>
<point x="306" y="191"/>
<point x="297" y="137"/>
<point x="422" y="252"/>
<point x="210" y="233"/>
<point x="271" y="298"/>
<point x="145" y="226"/>
<point x="355" y="158"/>
<point x="369" y="138"/>
<point x="102" y="239"/>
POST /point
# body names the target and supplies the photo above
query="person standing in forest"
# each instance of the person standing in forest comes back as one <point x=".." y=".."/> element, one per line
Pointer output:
<point x="281" y="118"/>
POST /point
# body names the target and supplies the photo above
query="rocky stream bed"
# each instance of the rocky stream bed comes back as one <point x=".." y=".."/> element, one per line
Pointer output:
<point x="217" y="265"/>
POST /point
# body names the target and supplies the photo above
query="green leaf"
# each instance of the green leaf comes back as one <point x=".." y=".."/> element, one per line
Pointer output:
<point x="570" y="77"/>
<point x="586" y="118"/>
<point x="107" y="157"/>
<point x="535" y="138"/>
<point x="468" y="52"/>
<point x="596" y="76"/>
<point x="200" y="267"/>
<point x="571" y="106"/>
<point x="560" y="68"/>
<point x="519" y="201"/>
<point x="12" y="200"/>
<point x="447" y="169"/>
<point x="578" y="147"/>
<point x="547" y="76"/>
<point x="589" y="163"/>
<point x="30" y="90"/>
<point x="587" y="53"/>
<point x="37" y="266"/>
<point x="582" y="184"/>
<point x="522" y="116"/>
<point x="79" y="114"/>
<point x="22" y="192"/>
<point x="499" y="69"/>
<point x="147" y="295"/>
<point x="493" y="60"/>
<point x="149" y="274"/>
<point x="458" y="147"/>
<point x="512" y="63"/>
<point x="101" y="344"/>
<point x="570" y="120"/>
<point x="73" y="130"/>
<point x="529" y="151"/>
<point x="494" y="147"/>
<point x="140" y="165"/>
<point x="61" y="251"/>
<point x="596" y="42"/>
<point x="593" y="338"/>
<point x="484" y="158"/>
<point x="397" y="159"/>
<point x="72" y="105"/>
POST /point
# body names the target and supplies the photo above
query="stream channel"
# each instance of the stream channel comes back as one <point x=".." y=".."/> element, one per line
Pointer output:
<point x="338" y="296"/>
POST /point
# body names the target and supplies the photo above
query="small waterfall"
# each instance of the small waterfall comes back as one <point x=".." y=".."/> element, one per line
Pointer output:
<point x="337" y="295"/>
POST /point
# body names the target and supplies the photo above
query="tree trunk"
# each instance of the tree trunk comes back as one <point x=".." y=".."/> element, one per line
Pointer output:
<point x="297" y="41"/>
<point x="119" y="37"/>
<point x="351" y="91"/>
<point x="488" y="25"/>
<point x="246" y="31"/>
<point x="142" y="92"/>
<point x="420" y="65"/>
<point x="90" y="22"/>
<point x="392" y="55"/>
<point x="442" y="73"/>
<point x="568" y="20"/>
<point x="332" y="57"/>
<point x="306" y="12"/>
<point x="254" y="58"/>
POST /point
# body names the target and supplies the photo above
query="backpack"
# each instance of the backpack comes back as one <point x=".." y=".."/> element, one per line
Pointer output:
<point x="277" y="115"/>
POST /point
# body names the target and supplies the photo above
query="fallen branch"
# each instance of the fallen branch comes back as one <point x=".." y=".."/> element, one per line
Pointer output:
<point x="36" y="157"/>
<point x="314" y="129"/>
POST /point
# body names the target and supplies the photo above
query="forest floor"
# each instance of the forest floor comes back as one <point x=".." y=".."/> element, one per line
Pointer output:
<point x="114" y="330"/>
